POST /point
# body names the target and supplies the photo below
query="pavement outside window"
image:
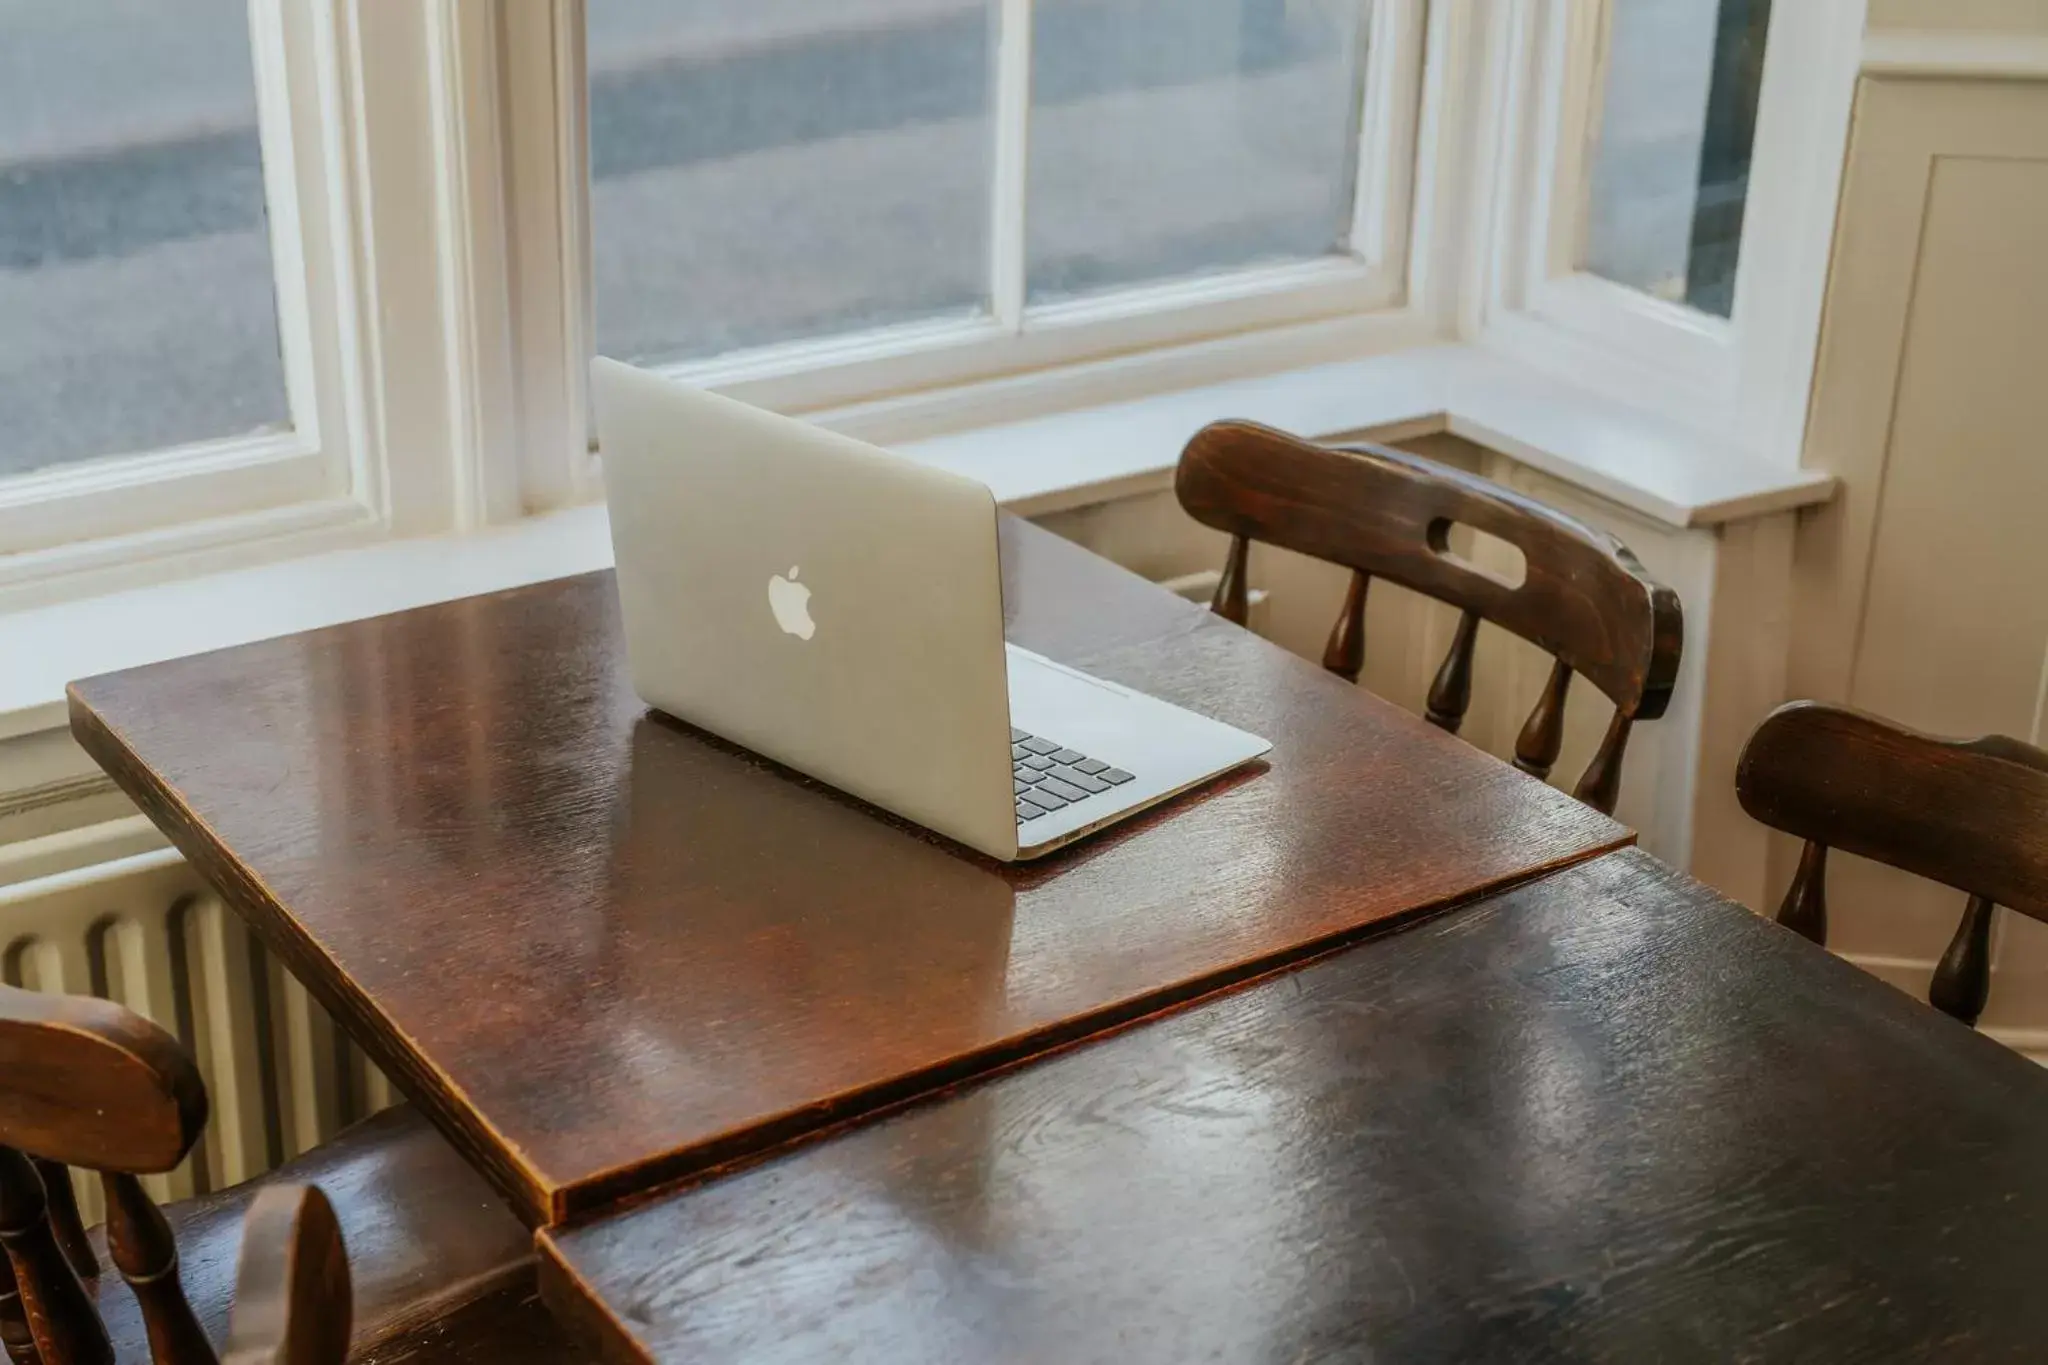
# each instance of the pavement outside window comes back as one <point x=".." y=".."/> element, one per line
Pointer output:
<point x="136" y="300"/>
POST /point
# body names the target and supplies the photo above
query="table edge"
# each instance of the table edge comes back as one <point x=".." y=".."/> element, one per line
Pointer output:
<point x="243" y="890"/>
<point x="580" y="1308"/>
<point x="540" y="1201"/>
<point x="592" y="1196"/>
<point x="577" y="1303"/>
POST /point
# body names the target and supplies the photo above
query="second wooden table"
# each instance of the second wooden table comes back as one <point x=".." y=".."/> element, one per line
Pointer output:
<point x="1606" y="1116"/>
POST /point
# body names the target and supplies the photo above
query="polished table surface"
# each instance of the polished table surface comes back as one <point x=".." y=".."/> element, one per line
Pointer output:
<point x="1605" y="1116"/>
<point x="602" y="950"/>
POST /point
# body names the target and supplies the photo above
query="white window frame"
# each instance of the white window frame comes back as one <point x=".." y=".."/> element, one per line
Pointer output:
<point x="426" y="166"/>
<point x="73" y="518"/>
<point x="385" y="207"/>
<point x="1537" y="306"/>
<point x="547" y="137"/>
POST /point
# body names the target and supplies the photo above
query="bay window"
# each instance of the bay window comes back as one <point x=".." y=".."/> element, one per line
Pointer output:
<point x="285" y="275"/>
<point x="1637" y="142"/>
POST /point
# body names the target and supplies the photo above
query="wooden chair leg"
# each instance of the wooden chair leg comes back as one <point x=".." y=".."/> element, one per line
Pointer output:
<point x="61" y="1315"/>
<point x="65" y="1221"/>
<point x="1450" y="693"/>
<point x="1600" y="785"/>
<point x="1345" y="653"/>
<point x="1805" y="908"/>
<point x="15" y="1333"/>
<point x="1233" y="594"/>
<point x="1962" y="979"/>
<point x="1542" y="736"/>
<point x="140" y="1246"/>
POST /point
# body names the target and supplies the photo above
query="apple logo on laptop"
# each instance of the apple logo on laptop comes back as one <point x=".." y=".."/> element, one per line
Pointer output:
<point x="791" y="603"/>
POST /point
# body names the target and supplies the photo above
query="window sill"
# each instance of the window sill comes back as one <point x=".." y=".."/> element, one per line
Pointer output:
<point x="1048" y="464"/>
<point x="1646" y="463"/>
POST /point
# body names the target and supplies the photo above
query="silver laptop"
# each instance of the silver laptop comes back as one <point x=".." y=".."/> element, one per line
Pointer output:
<point x="840" y="610"/>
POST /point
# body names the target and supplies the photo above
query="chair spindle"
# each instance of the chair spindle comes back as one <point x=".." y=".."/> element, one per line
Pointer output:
<point x="1451" y="691"/>
<point x="1805" y="908"/>
<point x="1967" y="813"/>
<point x="66" y="1326"/>
<point x="65" y="1220"/>
<point x="139" y="1244"/>
<point x="15" y="1333"/>
<point x="1600" y="785"/>
<point x="1345" y="654"/>
<point x="1233" y="594"/>
<point x="1542" y="736"/>
<point x="1962" y="979"/>
<point x="1381" y="513"/>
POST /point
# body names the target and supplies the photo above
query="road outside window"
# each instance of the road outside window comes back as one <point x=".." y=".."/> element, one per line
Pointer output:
<point x="137" y="308"/>
<point x="1171" y="138"/>
<point x="773" y="170"/>
<point x="767" y="170"/>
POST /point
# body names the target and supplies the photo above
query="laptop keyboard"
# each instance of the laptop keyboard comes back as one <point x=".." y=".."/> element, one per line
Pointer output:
<point x="1050" y="777"/>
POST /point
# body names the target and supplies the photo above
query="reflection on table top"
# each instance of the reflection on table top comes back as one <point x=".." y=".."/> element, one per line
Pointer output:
<point x="602" y="949"/>
<point x="1602" y="1116"/>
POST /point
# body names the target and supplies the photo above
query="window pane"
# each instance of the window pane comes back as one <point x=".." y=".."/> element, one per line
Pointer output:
<point x="1171" y="138"/>
<point x="764" y="170"/>
<point x="137" y="307"/>
<point x="1670" y="169"/>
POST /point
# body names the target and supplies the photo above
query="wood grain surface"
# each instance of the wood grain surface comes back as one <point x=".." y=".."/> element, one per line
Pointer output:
<point x="1602" y="1117"/>
<point x="86" y="1082"/>
<point x="1971" y="813"/>
<point x="1584" y="598"/>
<point x="602" y="950"/>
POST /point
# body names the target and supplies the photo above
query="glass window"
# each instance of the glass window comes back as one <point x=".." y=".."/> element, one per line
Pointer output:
<point x="765" y="170"/>
<point x="774" y="170"/>
<point x="1170" y="138"/>
<point x="137" y="306"/>
<point x="1670" y="165"/>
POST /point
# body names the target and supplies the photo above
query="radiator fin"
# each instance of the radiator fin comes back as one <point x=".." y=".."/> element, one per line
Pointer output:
<point x="146" y="931"/>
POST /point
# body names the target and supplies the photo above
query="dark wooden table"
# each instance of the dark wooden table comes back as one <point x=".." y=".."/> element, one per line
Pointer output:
<point x="1605" y="1116"/>
<point x="602" y="950"/>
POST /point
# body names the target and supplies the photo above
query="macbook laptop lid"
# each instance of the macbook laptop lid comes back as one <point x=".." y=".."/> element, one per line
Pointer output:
<point x="821" y="602"/>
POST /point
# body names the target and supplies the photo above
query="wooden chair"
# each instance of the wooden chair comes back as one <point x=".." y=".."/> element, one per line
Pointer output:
<point x="292" y="1295"/>
<point x="1971" y="814"/>
<point x="1585" y="600"/>
<point x="443" y="1271"/>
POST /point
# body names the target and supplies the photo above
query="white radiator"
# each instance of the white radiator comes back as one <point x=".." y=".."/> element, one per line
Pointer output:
<point x="146" y="931"/>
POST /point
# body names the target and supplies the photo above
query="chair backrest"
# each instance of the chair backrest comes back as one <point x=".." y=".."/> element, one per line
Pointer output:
<point x="1971" y="814"/>
<point x="292" y="1299"/>
<point x="1584" y="599"/>
<point x="89" y="1083"/>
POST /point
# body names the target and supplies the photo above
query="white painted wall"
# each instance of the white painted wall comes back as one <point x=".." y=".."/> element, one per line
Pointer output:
<point x="2003" y="17"/>
<point x="1918" y="589"/>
